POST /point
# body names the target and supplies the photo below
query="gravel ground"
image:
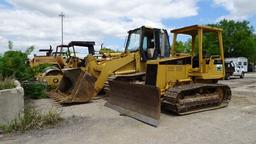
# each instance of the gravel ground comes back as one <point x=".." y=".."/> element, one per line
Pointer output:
<point x="97" y="124"/>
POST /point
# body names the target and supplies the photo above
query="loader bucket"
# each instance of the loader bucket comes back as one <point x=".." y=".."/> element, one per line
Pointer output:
<point x="76" y="86"/>
<point x="141" y="102"/>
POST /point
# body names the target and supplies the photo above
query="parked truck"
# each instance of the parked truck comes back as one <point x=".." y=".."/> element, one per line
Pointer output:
<point x="240" y="64"/>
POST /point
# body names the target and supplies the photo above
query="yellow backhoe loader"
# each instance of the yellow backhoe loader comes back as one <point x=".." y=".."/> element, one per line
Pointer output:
<point x="81" y="85"/>
<point x="64" y="57"/>
<point x="183" y="82"/>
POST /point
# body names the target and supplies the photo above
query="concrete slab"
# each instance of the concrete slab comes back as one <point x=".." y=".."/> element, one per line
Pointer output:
<point x="11" y="103"/>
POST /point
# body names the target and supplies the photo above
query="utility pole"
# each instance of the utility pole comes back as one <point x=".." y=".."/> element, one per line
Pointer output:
<point x="61" y="15"/>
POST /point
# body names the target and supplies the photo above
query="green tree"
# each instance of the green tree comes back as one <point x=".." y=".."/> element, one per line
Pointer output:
<point x="184" y="47"/>
<point x="180" y="46"/>
<point x="107" y="50"/>
<point x="238" y="39"/>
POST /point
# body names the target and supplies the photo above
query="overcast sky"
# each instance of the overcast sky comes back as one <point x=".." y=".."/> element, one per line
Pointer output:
<point x="36" y="22"/>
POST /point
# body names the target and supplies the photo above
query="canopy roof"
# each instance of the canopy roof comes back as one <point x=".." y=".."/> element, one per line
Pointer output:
<point x="192" y="30"/>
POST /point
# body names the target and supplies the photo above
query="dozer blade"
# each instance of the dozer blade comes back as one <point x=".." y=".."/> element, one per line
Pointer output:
<point x="76" y="86"/>
<point x="141" y="102"/>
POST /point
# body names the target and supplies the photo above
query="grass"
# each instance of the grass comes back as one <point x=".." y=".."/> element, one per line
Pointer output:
<point x="32" y="119"/>
<point x="6" y="83"/>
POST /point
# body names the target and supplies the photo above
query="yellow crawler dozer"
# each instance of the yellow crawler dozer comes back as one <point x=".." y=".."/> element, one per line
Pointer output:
<point x="183" y="83"/>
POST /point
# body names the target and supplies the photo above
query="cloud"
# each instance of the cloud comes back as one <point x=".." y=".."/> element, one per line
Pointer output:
<point x="29" y="22"/>
<point x="3" y="43"/>
<point x="238" y="9"/>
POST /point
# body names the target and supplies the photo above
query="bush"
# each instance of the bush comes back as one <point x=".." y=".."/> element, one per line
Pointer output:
<point x="35" y="90"/>
<point x="32" y="119"/>
<point x="6" y="83"/>
<point x="14" y="64"/>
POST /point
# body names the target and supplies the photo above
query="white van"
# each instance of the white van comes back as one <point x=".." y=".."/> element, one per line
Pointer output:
<point x="241" y="65"/>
